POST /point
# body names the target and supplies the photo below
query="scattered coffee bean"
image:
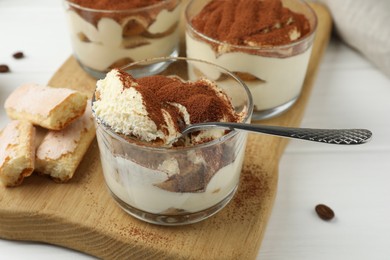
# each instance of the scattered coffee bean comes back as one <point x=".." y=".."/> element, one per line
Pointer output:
<point x="18" y="55"/>
<point x="4" y="68"/>
<point x="324" y="212"/>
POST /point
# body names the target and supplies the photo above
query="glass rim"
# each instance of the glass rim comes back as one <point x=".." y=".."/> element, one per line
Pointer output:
<point x="255" y="48"/>
<point x="225" y="137"/>
<point x="132" y="10"/>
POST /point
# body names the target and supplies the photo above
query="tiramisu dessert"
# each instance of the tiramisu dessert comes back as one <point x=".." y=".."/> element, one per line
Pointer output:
<point x="148" y="165"/>
<point x="267" y="43"/>
<point x="109" y="33"/>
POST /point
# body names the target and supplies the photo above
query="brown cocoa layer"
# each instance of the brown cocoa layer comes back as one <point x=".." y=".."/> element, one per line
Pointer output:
<point x="101" y="9"/>
<point x="200" y="99"/>
<point x="115" y="4"/>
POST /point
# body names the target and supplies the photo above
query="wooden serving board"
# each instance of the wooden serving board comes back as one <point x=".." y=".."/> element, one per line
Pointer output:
<point x="81" y="214"/>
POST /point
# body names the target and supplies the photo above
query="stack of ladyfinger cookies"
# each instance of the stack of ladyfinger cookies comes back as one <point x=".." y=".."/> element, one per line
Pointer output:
<point x="49" y="133"/>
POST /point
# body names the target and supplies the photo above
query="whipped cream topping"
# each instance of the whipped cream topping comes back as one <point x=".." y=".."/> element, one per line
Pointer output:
<point x="155" y="108"/>
<point x="123" y="109"/>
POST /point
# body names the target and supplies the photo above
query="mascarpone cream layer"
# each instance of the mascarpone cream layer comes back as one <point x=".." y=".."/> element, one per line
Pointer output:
<point x="106" y="44"/>
<point x="282" y="78"/>
<point x="135" y="184"/>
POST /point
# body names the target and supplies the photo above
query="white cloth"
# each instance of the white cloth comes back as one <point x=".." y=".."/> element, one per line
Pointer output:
<point x="365" y="26"/>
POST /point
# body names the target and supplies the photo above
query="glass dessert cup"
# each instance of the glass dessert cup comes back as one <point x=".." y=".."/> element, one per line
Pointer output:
<point x="104" y="39"/>
<point x="176" y="185"/>
<point x="274" y="74"/>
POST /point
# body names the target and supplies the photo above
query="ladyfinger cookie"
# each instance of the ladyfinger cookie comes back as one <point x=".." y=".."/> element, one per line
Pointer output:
<point x="60" y="152"/>
<point x="51" y="108"/>
<point x="17" y="152"/>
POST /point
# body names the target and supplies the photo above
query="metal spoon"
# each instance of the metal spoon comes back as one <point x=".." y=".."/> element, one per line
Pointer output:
<point x="329" y="136"/>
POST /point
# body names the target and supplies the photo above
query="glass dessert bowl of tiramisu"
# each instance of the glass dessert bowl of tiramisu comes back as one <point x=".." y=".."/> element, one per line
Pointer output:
<point x="267" y="43"/>
<point x="151" y="170"/>
<point x="108" y="34"/>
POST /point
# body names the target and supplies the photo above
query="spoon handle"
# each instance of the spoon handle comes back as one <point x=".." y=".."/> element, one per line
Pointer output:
<point x="329" y="136"/>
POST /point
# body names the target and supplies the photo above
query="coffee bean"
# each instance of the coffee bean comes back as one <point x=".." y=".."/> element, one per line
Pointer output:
<point x="4" y="68"/>
<point x="18" y="55"/>
<point x="324" y="212"/>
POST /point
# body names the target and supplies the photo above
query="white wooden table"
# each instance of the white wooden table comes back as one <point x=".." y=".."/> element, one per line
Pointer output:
<point x="354" y="181"/>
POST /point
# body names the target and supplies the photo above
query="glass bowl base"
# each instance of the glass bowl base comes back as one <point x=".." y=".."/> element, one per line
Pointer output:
<point x="173" y="219"/>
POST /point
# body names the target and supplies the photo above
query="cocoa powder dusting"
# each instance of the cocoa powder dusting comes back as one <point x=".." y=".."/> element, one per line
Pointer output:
<point x="126" y="79"/>
<point x="129" y="20"/>
<point x="198" y="97"/>
<point x="251" y="198"/>
<point x="250" y="22"/>
<point x="115" y="4"/>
